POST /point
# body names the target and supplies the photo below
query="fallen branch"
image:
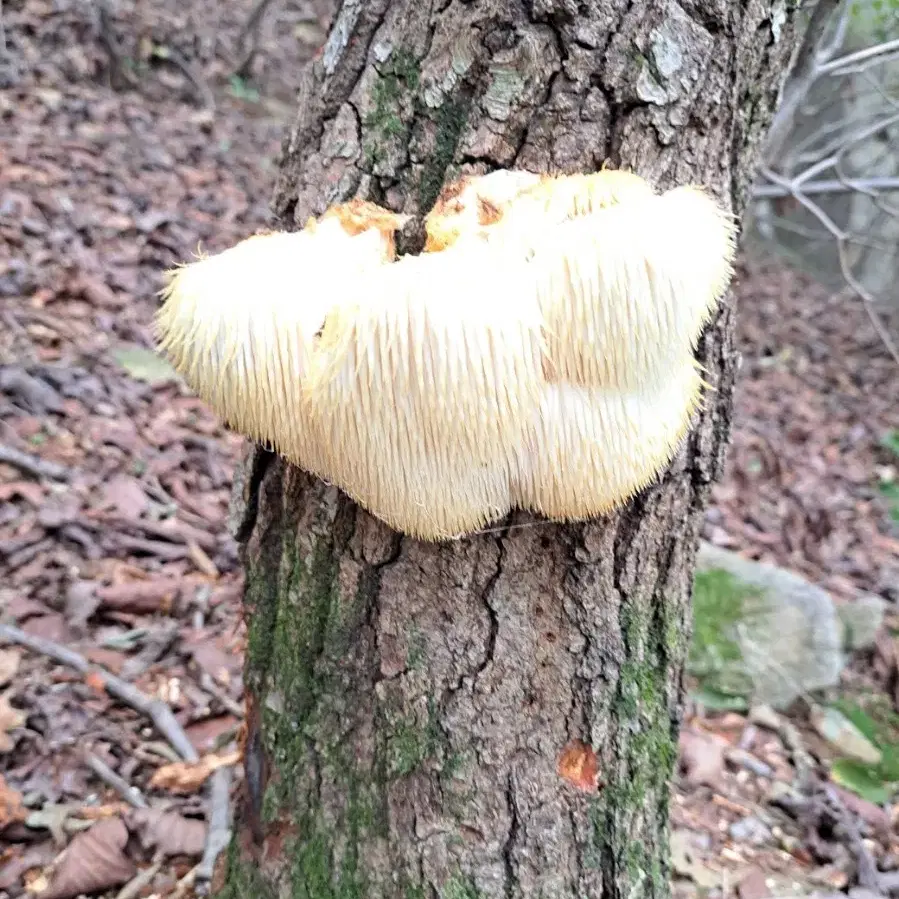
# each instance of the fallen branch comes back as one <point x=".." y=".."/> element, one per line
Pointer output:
<point x="158" y="712"/>
<point x="33" y="464"/>
<point x="831" y="186"/>
<point x="130" y="794"/>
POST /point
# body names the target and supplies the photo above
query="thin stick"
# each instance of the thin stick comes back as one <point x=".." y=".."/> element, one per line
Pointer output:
<point x="219" y="832"/>
<point x="133" y="888"/>
<point x="129" y="793"/>
<point x="251" y="31"/>
<point x="158" y="712"/>
<point x="33" y="464"/>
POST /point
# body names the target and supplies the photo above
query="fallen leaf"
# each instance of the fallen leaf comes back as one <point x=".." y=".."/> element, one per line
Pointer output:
<point x="201" y="560"/>
<point x="95" y="860"/>
<point x="11" y="808"/>
<point x="701" y="758"/>
<point x="579" y="765"/>
<point x="168" y="832"/>
<point x="15" y="869"/>
<point x="50" y="627"/>
<point x="125" y="494"/>
<point x="753" y="885"/>
<point x="842" y="734"/>
<point x="686" y="861"/>
<point x="96" y="682"/>
<point x="188" y="777"/>
<point x="861" y="779"/>
<point x="10" y="718"/>
<point x="205" y="734"/>
<point x="144" y="365"/>
<point x="28" y="490"/>
<point x="9" y="665"/>
<point x="218" y="664"/>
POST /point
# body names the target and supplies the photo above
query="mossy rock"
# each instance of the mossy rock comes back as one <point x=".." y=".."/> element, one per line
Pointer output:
<point x="762" y="632"/>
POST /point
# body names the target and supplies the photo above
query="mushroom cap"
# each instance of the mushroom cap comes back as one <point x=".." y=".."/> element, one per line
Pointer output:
<point x="626" y="290"/>
<point x="590" y="449"/>
<point x="239" y="325"/>
<point x="538" y="355"/>
<point x="435" y="369"/>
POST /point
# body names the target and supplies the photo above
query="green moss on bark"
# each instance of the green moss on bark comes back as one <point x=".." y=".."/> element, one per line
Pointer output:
<point x="448" y="120"/>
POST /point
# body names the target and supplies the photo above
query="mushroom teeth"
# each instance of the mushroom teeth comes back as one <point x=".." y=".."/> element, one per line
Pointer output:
<point x="627" y="289"/>
<point x="539" y="355"/>
<point x="589" y="449"/>
<point x="239" y="325"/>
<point x="421" y="390"/>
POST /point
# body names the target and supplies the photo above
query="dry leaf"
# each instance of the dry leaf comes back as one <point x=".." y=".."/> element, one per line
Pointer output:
<point x="217" y="663"/>
<point x="753" y="885"/>
<point x="10" y="718"/>
<point x="11" y="807"/>
<point x="168" y="832"/>
<point x="95" y="860"/>
<point x="9" y="665"/>
<point x="125" y="494"/>
<point x="188" y="777"/>
<point x="579" y="766"/>
<point x="701" y="758"/>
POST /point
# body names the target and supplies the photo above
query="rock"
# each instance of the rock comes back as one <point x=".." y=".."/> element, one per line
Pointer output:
<point x="761" y="631"/>
<point x="861" y="620"/>
<point x="750" y="830"/>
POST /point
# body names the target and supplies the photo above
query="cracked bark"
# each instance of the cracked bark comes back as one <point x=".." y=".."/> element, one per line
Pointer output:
<point x="408" y="703"/>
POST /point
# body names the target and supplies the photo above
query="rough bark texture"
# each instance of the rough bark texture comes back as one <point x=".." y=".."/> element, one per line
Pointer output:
<point x="408" y="703"/>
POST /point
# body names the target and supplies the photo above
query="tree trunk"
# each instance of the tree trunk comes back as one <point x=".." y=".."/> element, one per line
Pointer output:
<point x="415" y="711"/>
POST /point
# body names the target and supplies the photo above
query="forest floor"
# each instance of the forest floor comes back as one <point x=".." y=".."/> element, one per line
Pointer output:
<point x="123" y="147"/>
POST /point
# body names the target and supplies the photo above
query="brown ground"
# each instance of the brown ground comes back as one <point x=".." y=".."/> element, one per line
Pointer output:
<point x="122" y="553"/>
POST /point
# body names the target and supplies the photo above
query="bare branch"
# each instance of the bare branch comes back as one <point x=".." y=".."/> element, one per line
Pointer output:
<point x="843" y="64"/>
<point x="842" y="238"/>
<point x="830" y="186"/>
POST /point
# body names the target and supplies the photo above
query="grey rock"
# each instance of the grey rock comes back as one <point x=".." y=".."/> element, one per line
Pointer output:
<point x="750" y="830"/>
<point x="789" y="634"/>
<point x="861" y="619"/>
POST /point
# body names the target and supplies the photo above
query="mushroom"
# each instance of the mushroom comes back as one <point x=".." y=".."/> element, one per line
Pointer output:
<point x="538" y="354"/>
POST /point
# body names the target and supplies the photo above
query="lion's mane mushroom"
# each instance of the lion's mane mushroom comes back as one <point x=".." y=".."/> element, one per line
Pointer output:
<point x="538" y="354"/>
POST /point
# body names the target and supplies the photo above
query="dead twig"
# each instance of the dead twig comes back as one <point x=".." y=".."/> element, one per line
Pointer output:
<point x="184" y="886"/>
<point x="219" y="832"/>
<point x="118" y="73"/>
<point x="197" y="81"/>
<point x="129" y="793"/>
<point x="144" y="878"/>
<point x="33" y="465"/>
<point x="158" y="712"/>
<point x="210" y="686"/>
<point x="250" y="32"/>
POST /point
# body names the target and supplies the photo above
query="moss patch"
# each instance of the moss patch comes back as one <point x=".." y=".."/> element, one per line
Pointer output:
<point x="459" y="887"/>
<point x="392" y="99"/>
<point x="243" y="878"/>
<point x="647" y="754"/>
<point x="448" y="120"/>
<point x="720" y="602"/>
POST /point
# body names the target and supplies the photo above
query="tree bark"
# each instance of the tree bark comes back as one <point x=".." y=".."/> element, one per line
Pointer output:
<point x="409" y="703"/>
